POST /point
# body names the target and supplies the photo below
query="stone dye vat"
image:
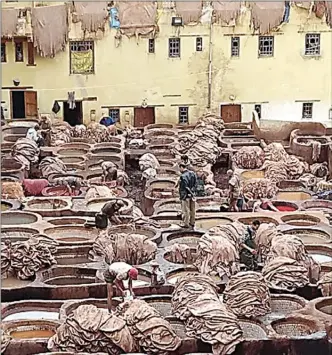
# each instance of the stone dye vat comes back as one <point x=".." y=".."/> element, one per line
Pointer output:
<point x="210" y="222"/>
<point x="190" y="238"/>
<point x="321" y="254"/>
<point x="5" y="205"/>
<point x="47" y="206"/>
<point x="293" y="196"/>
<point x="311" y="236"/>
<point x="73" y="255"/>
<point x="298" y="327"/>
<point x="30" y="329"/>
<point x="15" y="234"/>
<point x="325" y="306"/>
<point x="67" y="221"/>
<point x="72" y="234"/>
<point x="262" y="219"/>
<point x="317" y="205"/>
<point x="253" y="330"/>
<point x="18" y="217"/>
<point x="300" y="220"/>
<point x="31" y="310"/>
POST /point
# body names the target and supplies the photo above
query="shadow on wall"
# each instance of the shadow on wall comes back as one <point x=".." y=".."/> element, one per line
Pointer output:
<point x="274" y="130"/>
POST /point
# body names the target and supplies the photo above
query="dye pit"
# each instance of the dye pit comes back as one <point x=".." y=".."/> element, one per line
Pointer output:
<point x="76" y="278"/>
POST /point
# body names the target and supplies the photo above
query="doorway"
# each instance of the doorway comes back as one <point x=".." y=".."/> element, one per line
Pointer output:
<point x="230" y="113"/>
<point x="23" y="104"/>
<point x="143" y="116"/>
<point x="18" y="104"/>
<point x="73" y="117"/>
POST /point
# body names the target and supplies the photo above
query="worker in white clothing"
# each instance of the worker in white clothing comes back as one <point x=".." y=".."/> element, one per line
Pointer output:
<point x="34" y="134"/>
<point x="115" y="275"/>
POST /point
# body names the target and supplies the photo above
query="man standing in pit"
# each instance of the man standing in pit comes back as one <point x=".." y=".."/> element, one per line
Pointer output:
<point x="187" y="191"/>
<point x="248" y="252"/>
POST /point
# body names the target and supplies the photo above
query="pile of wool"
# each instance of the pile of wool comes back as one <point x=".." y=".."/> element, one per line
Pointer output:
<point x="254" y="189"/>
<point x="11" y="190"/>
<point x="249" y="158"/>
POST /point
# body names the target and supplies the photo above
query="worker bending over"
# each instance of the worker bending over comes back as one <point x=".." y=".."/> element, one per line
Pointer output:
<point x="109" y="212"/>
<point x="110" y="171"/>
<point x="115" y="275"/>
<point x="265" y="205"/>
<point x="72" y="183"/>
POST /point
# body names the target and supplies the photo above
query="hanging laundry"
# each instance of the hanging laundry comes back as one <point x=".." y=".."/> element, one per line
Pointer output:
<point x="56" y="107"/>
<point x="114" y="18"/>
<point x="287" y="12"/>
<point x="71" y="100"/>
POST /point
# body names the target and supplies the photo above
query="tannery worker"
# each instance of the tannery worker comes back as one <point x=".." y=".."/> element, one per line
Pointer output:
<point x="46" y="125"/>
<point x="248" y="252"/>
<point x="234" y="190"/>
<point x="115" y="275"/>
<point x="110" y="171"/>
<point x="110" y="212"/>
<point x="187" y="191"/>
<point x="201" y="181"/>
<point x="70" y="182"/>
<point x="35" y="135"/>
<point x="265" y="205"/>
<point x="185" y="160"/>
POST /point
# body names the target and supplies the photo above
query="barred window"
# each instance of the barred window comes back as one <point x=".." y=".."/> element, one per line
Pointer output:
<point x="3" y="53"/>
<point x="235" y="46"/>
<point x="265" y="46"/>
<point x="199" y="44"/>
<point x="115" y="114"/>
<point x="82" y="57"/>
<point x="312" y="44"/>
<point x="307" y="109"/>
<point x="174" y="47"/>
<point x="183" y="115"/>
<point x="151" y="45"/>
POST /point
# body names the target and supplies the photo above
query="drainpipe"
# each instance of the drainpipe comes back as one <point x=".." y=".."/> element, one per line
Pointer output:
<point x="210" y="66"/>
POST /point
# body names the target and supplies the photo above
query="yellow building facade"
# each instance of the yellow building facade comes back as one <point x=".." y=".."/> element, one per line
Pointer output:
<point x="286" y="84"/>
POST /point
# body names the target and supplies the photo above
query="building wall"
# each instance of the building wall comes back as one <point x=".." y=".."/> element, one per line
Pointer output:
<point x="127" y="74"/>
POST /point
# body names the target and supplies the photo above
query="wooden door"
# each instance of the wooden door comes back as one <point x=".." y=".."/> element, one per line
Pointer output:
<point x="31" y="108"/>
<point x="143" y="116"/>
<point x="230" y="113"/>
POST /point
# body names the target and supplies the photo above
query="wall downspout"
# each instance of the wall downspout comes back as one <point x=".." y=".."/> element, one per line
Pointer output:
<point x="210" y="67"/>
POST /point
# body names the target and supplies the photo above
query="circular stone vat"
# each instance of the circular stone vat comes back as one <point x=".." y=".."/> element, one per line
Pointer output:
<point x="210" y="222"/>
<point x="173" y="276"/>
<point x="310" y="236"/>
<point x="46" y="204"/>
<point x="163" y="304"/>
<point x="285" y="206"/>
<point x="59" y="191"/>
<point x="15" y="234"/>
<point x="321" y="254"/>
<point x="138" y="229"/>
<point x="16" y="218"/>
<point x="252" y="174"/>
<point x="31" y="310"/>
<point x="252" y="330"/>
<point x="262" y="219"/>
<point x="161" y="184"/>
<point x="325" y="306"/>
<point x="290" y="185"/>
<point x="160" y="126"/>
<point x="65" y="276"/>
<point x="67" y="220"/>
<point x="294" y="327"/>
<point x="30" y="329"/>
<point x="109" y="150"/>
<point x="72" y="152"/>
<point x="72" y="234"/>
<point x="301" y="220"/>
<point x="317" y="205"/>
<point x="293" y="196"/>
<point x="5" y="206"/>
<point x="73" y="255"/>
<point x="10" y="166"/>
<point x="190" y="238"/>
<point x="72" y="160"/>
<point x="283" y="305"/>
